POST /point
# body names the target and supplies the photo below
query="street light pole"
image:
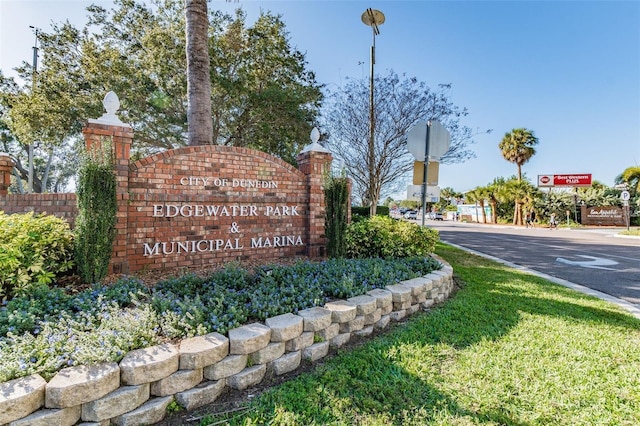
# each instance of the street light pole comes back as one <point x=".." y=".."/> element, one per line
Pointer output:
<point x="372" y="18"/>
<point x="33" y="89"/>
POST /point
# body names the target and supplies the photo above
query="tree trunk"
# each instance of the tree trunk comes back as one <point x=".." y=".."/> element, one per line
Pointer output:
<point x="198" y="74"/>
<point x="494" y="213"/>
<point x="484" y="213"/>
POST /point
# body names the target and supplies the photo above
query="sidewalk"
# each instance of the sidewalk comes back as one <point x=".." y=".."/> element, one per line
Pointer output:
<point x="613" y="231"/>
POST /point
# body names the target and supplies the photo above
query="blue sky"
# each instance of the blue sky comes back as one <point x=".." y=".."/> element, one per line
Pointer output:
<point x="568" y="70"/>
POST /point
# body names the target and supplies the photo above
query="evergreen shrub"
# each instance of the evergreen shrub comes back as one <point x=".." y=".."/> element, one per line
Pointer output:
<point x="383" y="237"/>
<point x="34" y="250"/>
<point x="362" y="213"/>
<point x="97" y="206"/>
<point x="336" y="194"/>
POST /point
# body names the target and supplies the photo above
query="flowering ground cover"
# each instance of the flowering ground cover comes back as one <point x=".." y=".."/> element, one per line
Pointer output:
<point x="52" y="328"/>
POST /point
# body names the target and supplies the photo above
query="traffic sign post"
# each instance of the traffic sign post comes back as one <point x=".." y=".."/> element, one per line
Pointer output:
<point x="424" y="180"/>
<point x="427" y="140"/>
<point x="432" y="175"/>
<point x="625" y="196"/>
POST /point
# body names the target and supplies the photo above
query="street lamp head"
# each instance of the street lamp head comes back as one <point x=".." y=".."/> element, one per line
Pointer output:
<point x="373" y="18"/>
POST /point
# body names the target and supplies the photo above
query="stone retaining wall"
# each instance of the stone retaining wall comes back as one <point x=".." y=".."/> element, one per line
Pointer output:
<point x="194" y="373"/>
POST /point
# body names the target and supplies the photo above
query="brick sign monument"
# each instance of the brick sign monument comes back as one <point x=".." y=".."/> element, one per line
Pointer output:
<point x="603" y="215"/>
<point x="194" y="206"/>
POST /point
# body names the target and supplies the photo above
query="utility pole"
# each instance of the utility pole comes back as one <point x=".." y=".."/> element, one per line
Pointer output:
<point x="33" y="91"/>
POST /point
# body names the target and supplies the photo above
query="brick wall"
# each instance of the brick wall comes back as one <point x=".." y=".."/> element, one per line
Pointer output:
<point x="195" y="206"/>
<point x="203" y="205"/>
<point x="61" y="205"/>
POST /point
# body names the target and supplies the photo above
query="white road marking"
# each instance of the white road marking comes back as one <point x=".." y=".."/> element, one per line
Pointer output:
<point x="595" y="262"/>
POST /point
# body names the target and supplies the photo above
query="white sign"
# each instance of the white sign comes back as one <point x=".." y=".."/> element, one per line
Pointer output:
<point x="625" y="196"/>
<point x="439" y="140"/>
<point x="414" y="193"/>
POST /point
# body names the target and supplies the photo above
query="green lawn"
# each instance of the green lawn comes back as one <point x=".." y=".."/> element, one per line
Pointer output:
<point x="634" y="232"/>
<point x="507" y="349"/>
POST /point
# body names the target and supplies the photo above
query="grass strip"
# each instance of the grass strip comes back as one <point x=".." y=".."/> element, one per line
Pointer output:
<point x="507" y="349"/>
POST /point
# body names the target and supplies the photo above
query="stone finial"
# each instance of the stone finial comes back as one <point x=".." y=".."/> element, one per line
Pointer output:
<point x="315" y="145"/>
<point x="111" y="105"/>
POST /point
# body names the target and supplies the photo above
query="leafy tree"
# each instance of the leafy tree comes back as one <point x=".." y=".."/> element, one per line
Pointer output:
<point x="598" y="194"/>
<point x="447" y="196"/>
<point x="263" y="97"/>
<point x="273" y="98"/>
<point x="557" y="202"/>
<point x="483" y="195"/>
<point x="400" y="103"/>
<point x="37" y="118"/>
<point x="631" y="176"/>
<point x="414" y="205"/>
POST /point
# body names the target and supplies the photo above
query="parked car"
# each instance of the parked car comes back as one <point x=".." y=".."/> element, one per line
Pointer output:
<point x="411" y="214"/>
<point x="436" y="216"/>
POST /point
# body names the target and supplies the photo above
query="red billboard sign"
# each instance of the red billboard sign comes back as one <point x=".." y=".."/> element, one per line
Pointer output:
<point x="564" y="180"/>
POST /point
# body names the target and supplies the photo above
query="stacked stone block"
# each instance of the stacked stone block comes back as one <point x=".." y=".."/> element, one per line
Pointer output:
<point x="195" y="372"/>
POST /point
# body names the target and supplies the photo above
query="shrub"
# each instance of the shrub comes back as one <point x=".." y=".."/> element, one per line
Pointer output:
<point x="386" y="238"/>
<point x="359" y="213"/>
<point x="336" y="195"/>
<point x="382" y="211"/>
<point x="34" y="250"/>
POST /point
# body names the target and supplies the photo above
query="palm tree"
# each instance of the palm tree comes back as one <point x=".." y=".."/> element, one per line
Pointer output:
<point x="199" y="119"/>
<point x="630" y="176"/>
<point x="494" y="194"/>
<point x="518" y="193"/>
<point x="518" y="147"/>
<point x="448" y="196"/>
<point x="483" y="194"/>
<point x="477" y="195"/>
<point x="524" y="194"/>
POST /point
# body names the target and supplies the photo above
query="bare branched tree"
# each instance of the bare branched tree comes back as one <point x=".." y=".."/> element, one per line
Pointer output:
<point x="400" y="103"/>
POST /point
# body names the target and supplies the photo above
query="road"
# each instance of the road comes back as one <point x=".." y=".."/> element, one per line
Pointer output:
<point x="592" y="258"/>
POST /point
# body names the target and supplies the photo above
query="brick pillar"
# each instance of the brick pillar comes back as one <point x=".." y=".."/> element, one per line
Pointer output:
<point x="6" y="167"/>
<point x="315" y="162"/>
<point x="110" y="129"/>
